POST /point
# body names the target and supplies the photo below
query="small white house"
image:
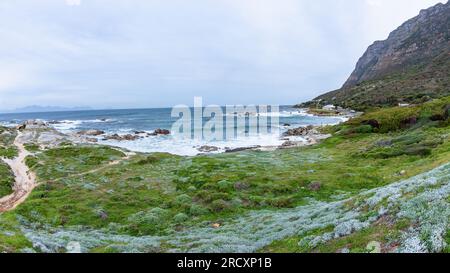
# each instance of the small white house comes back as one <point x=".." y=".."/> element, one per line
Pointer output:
<point x="403" y="105"/>
<point x="329" y="107"/>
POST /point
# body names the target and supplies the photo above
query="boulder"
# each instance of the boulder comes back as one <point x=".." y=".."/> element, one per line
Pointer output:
<point x="21" y="127"/>
<point x="128" y="137"/>
<point x="93" y="140"/>
<point x="113" y="137"/>
<point x="208" y="149"/>
<point x="288" y="144"/>
<point x="384" y="143"/>
<point x="34" y="124"/>
<point x="241" y="149"/>
<point x="315" y="186"/>
<point x="158" y="132"/>
<point x="239" y="186"/>
<point x="53" y="122"/>
<point x="301" y="131"/>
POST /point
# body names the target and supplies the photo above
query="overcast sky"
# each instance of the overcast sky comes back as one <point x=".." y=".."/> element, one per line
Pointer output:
<point x="152" y="53"/>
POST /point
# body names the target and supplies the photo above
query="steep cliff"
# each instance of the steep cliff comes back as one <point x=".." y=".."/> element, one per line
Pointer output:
<point x="412" y="64"/>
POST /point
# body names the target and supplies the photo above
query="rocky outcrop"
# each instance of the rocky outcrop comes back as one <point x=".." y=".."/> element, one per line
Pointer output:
<point x="301" y="131"/>
<point x="117" y="137"/>
<point x="32" y="124"/>
<point x="158" y="132"/>
<point x="417" y="41"/>
<point x="241" y="149"/>
<point x="411" y="66"/>
<point x="208" y="149"/>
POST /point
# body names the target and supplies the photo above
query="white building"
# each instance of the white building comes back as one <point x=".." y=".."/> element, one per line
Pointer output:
<point x="329" y="107"/>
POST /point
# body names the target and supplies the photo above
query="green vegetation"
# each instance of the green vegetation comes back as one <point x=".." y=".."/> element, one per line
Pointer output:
<point x="157" y="194"/>
<point x="7" y="136"/>
<point x="6" y="151"/>
<point x="6" y="180"/>
<point x="416" y="85"/>
<point x="32" y="147"/>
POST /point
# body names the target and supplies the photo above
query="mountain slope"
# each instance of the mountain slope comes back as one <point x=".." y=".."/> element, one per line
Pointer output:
<point x="412" y="64"/>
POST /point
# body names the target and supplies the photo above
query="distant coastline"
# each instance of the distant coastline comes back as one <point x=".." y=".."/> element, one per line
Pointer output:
<point x="45" y="109"/>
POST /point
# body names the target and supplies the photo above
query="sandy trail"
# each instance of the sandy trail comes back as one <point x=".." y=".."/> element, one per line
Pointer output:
<point x="110" y="164"/>
<point x="25" y="180"/>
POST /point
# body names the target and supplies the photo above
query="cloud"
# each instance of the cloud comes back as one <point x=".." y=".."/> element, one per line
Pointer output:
<point x="140" y="53"/>
<point x="376" y="3"/>
<point x="73" y="2"/>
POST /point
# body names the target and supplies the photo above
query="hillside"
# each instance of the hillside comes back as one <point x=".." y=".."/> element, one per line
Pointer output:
<point x="411" y="66"/>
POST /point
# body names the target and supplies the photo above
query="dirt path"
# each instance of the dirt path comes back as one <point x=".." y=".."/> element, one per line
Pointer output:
<point x="25" y="180"/>
<point x="112" y="163"/>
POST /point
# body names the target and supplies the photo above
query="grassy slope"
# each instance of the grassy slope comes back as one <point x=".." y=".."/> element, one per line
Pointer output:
<point x="7" y="151"/>
<point x="415" y="85"/>
<point x="6" y="180"/>
<point x="159" y="193"/>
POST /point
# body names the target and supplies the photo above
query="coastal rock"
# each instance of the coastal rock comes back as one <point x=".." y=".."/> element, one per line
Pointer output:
<point x="21" y="127"/>
<point x="54" y="122"/>
<point x="32" y="124"/>
<point x="158" y="132"/>
<point x="301" y="131"/>
<point x="93" y="140"/>
<point x="288" y="144"/>
<point x="91" y="132"/>
<point x="241" y="149"/>
<point x="208" y="149"/>
<point x="129" y="137"/>
<point x="117" y="137"/>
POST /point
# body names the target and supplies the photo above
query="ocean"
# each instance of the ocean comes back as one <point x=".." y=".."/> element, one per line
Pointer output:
<point x="130" y="120"/>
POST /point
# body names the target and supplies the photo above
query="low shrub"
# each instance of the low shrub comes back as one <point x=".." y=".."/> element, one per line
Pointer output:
<point x="180" y="218"/>
<point x="183" y="200"/>
<point x="219" y="205"/>
<point x="418" y="150"/>
<point x="197" y="210"/>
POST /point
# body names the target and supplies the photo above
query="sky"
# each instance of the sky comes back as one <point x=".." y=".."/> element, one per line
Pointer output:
<point x="161" y="53"/>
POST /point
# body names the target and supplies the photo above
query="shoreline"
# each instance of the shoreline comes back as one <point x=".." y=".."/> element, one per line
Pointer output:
<point x="162" y="141"/>
<point x="307" y="136"/>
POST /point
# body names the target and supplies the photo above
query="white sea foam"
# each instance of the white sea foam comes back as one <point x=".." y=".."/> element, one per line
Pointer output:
<point x="282" y="114"/>
<point x="69" y="125"/>
<point x="189" y="147"/>
<point x="11" y="124"/>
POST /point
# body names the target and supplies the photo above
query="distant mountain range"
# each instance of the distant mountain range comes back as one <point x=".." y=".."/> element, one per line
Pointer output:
<point x="412" y="65"/>
<point x="38" y="109"/>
